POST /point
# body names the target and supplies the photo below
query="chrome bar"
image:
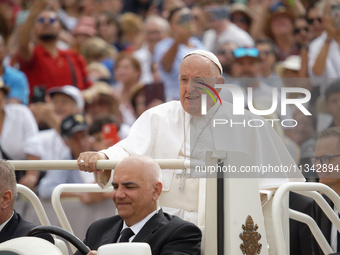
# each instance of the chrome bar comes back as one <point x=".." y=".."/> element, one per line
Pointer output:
<point x="101" y="164"/>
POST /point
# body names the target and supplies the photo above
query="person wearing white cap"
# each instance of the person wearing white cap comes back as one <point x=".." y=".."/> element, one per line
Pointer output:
<point x="290" y="67"/>
<point x="60" y="103"/>
<point x="289" y="71"/>
<point x="165" y="132"/>
<point x="64" y="101"/>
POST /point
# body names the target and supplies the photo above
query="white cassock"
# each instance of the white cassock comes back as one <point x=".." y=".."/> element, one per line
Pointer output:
<point x="163" y="132"/>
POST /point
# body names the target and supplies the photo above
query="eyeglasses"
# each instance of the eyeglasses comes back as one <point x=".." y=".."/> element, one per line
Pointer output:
<point x="311" y="21"/>
<point x="298" y="30"/>
<point x="323" y="160"/>
<point x="43" y="20"/>
<point x="246" y="52"/>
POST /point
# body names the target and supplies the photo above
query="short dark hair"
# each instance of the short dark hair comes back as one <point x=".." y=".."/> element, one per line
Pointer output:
<point x="271" y="43"/>
<point x="333" y="88"/>
<point x="173" y="11"/>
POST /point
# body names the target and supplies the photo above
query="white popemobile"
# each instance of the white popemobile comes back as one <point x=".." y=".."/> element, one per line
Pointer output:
<point x="244" y="220"/>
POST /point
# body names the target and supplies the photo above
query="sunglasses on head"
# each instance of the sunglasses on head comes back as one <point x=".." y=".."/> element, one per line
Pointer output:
<point x="298" y="30"/>
<point x="246" y="52"/>
<point x="43" y="20"/>
<point x="311" y="21"/>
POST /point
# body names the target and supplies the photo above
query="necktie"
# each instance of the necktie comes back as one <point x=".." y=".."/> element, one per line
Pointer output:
<point x="126" y="234"/>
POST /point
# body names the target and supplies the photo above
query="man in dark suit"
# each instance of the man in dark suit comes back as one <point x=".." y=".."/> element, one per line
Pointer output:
<point x="12" y="225"/>
<point x="137" y="186"/>
<point x="327" y="154"/>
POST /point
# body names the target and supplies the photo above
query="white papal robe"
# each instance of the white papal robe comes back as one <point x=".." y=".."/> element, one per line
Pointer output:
<point x="163" y="132"/>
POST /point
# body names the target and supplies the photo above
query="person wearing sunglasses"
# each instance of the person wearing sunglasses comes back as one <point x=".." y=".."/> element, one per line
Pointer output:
<point x="268" y="56"/>
<point x="301" y="32"/>
<point x="224" y="53"/>
<point x="241" y="16"/>
<point x="246" y="71"/>
<point x="314" y="20"/>
<point x="44" y="64"/>
<point x="303" y="36"/>
<point x="324" y="51"/>
<point x="327" y="163"/>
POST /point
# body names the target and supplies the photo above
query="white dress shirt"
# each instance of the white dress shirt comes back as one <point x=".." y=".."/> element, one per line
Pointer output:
<point x="137" y="227"/>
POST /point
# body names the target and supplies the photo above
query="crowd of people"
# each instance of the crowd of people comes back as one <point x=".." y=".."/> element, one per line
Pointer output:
<point x="77" y="76"/>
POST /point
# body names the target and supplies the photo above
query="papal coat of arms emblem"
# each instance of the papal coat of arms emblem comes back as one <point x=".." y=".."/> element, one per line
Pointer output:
<point x="250" y="238"/>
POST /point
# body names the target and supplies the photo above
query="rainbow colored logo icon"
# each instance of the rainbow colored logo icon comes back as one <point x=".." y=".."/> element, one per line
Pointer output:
<point x="209" y="93"/>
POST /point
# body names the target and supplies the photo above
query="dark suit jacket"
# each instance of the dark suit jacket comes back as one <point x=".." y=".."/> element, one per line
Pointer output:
<point x="164" y="233"/>
<point x="18" y="227"/>
<point x="324" y="224"/>
<point x="300" y="235"/>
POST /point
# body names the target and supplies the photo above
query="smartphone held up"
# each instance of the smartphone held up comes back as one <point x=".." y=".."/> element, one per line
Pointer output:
<point x="110" y="133"/>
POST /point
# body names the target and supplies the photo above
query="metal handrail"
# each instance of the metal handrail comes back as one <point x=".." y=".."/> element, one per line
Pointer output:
<point x="310" y="190"/>
<point x="302" y="217"/>
<point x="36" y="203"/>
<point x="74" y="187"/>
<point x="101" y="164"/>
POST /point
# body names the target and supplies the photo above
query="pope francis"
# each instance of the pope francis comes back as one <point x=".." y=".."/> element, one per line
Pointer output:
<point x="177" y="129"/>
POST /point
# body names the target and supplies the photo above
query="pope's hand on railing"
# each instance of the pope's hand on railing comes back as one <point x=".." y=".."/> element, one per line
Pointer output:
<point x="87" y="160"/>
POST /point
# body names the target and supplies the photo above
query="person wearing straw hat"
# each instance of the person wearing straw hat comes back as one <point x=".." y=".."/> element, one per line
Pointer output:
<point x="241" y="16"/>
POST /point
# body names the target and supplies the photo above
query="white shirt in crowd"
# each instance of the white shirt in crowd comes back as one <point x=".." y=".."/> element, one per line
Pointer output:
<point x="163" y="132"/>
<point x="332" y="68"/>
<point x="232" y="34"/>
<point x="19" y="135"/>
